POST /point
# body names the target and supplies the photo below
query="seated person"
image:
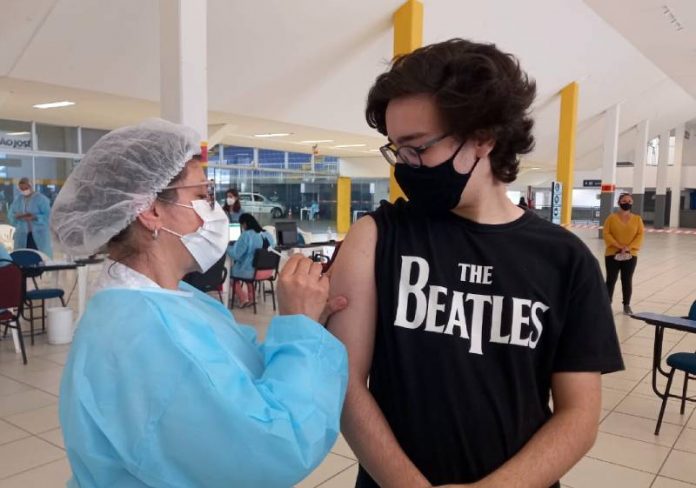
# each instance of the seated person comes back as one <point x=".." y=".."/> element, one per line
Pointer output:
<point x="313" y="210"/>
<point x="242" y="254"/>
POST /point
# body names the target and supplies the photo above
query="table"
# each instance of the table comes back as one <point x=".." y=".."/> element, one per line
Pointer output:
<point x="80" y="265"/>
<point x="662" y="322"/>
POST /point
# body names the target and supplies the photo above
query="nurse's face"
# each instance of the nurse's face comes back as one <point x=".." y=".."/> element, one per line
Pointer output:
<point x="183" y="220"/>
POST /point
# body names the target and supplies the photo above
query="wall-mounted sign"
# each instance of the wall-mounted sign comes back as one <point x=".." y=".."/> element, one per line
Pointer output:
<point x="591" y="183"/>
<point x="556" y="201"/>
<point x="15" y="140"/>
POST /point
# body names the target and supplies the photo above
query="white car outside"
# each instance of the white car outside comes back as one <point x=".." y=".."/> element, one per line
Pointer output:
<point x="256" y="203"/>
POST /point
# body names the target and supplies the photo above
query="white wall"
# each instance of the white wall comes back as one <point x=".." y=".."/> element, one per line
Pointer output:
<point x="690" y="149"/>
<point x="370" y="167"/>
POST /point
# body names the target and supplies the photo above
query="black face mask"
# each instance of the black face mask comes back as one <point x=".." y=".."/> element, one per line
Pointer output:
<point x="626" y="206"/>
<point x="436" y="189"/>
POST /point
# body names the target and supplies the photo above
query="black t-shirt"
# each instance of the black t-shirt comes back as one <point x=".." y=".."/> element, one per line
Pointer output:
<point x="472" y="322"/>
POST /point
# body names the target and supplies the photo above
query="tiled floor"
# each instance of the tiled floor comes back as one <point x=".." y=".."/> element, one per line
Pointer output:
<point x="626" y="453"/>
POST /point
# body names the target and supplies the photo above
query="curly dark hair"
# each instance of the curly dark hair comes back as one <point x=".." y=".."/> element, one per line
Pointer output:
<point x="479" y="90"/>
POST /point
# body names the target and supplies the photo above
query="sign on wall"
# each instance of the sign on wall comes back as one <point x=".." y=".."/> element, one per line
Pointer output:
<point x="591" y="183"/>
<point x="556" y="201"/>
<point x="15" y="140"/>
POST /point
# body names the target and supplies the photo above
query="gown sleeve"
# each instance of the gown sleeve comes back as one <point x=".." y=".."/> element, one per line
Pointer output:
<point x="226" y="427"/>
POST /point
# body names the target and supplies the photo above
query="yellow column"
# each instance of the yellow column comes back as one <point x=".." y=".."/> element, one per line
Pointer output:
<point x="408" y="36"/>
<point x="343" y="189"/>
<point x="566" y="147"/>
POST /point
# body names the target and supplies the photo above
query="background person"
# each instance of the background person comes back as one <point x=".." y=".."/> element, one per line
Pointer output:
<point x="29" y="213"/>
<point x="623" y="235"/>
<point x="232" y="206"/>
<point x="242" y="253"/>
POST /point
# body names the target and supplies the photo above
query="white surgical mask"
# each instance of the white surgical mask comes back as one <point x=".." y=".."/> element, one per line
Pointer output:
<point x="26" y="193"/>
<point x="209" y="242"/>
<point x="231" y="201"/>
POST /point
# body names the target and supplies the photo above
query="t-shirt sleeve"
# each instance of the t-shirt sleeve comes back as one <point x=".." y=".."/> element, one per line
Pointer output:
<point x="588" y="341"/>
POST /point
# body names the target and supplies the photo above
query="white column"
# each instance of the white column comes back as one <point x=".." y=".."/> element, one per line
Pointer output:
<point x="662" y="176"/>
<point x="611" y="147"/>
<point x="640" y="160"/>
<point x="183" y="63"/>
<point x="611" y="144"/>
<point x="662" y="164"/>
<point x="675" y="176"/>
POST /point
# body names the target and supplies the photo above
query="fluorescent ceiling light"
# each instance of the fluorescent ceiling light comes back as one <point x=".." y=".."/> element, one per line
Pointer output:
<point x="24" y="133"/>
<point x="374" y="150"/>
<point x="317" y="141"/>
<point x="64" y="103"/>
<point x="350" y="145"/>
<point x="274" y="134"/>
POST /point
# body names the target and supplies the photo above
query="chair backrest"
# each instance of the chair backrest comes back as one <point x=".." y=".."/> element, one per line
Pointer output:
<point x="265" y="260"/>
<point x="286" y="233"/>
<point x="212" y="279"/>
<point x="25" y="258"/>
<point x="11" y="285"/>
<point x="7" y="236"/>
<point x="692" y="311"/>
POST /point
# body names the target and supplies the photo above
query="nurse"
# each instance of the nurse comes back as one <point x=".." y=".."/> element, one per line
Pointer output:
<point x="29" y="214"/>
<point x="162" y="388"/>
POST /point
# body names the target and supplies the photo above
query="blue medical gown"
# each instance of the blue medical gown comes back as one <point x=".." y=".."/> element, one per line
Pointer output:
<point x="40" y="206"/>
<point x="243" y="251"/>
<point x="164" y="390"/>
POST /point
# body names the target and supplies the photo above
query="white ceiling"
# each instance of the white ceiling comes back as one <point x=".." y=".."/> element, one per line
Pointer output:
<point x="305" y="66"/>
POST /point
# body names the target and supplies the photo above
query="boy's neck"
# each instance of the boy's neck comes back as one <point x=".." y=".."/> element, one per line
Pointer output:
<point x="492" y="206"/>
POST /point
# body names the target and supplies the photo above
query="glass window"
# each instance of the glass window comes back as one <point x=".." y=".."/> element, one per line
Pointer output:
<point x="238" y="155"/>
<point x="653" y="148"/>
<point x="56" y="138"/>
<point x="269" y="158"/>
<point x="50" y="175"/>
<point x="274" y="195"/>
<point x="90" y="137"/>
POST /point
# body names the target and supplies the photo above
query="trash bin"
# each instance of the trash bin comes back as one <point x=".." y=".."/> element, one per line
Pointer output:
<point x="60" y="325"/>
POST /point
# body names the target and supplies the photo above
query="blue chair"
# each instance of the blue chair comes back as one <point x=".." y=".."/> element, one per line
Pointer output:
<point x="26" y="259"/>
<point x="682" y="361"/>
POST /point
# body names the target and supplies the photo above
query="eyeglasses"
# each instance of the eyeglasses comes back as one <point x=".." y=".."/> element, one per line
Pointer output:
<point x="210" y="190"/>
<point x="410" y="155"/>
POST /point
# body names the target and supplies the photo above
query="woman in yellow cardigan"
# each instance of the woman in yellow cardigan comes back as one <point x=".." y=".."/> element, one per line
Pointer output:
<point x="623" y="235"/>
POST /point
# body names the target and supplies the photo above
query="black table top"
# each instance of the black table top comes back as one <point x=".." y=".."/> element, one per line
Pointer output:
<point x="666" y="321"/>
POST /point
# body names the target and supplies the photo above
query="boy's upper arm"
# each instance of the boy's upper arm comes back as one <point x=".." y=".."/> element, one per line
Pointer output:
<point x="353" y="276"/>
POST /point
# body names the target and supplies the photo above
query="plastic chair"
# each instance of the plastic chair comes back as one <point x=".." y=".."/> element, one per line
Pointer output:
<point x="7" y="236"/>
<point x="682" y="361"/>
<point x="211" y="280"/>
<point x="26" y="259"/>
<point x="11" y="291"/>
<point x="264" y="260"/>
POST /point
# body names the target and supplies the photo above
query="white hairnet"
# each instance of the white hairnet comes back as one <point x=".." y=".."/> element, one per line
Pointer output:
<point x="117" y="179"/>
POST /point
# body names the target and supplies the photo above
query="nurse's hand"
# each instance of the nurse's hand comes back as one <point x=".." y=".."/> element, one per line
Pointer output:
<point x="303" y="290"/>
